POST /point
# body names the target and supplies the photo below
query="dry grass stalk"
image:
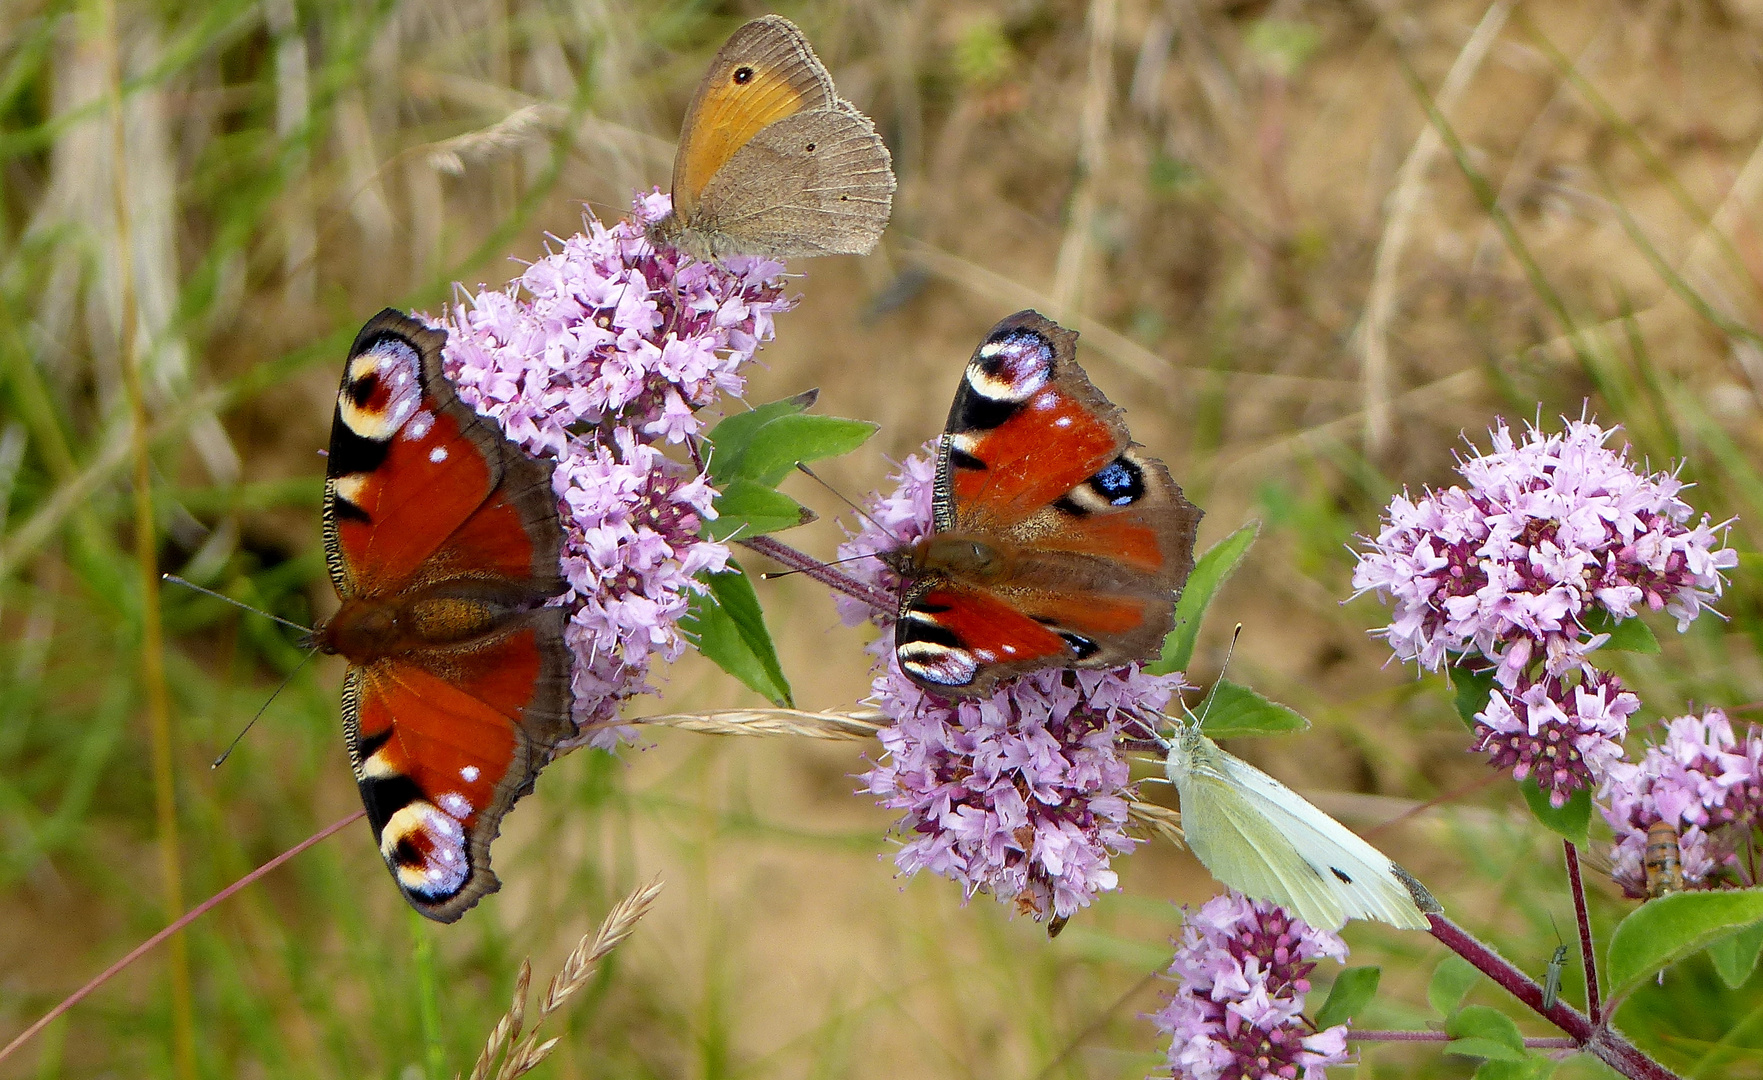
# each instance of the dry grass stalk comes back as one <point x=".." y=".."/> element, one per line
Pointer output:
<point x="578" y="968"/>
<point x="1404" y="203"/>
<point x="813" y="725"/>
<point x="512" y="132"/>
<point x="1157" y="820"/>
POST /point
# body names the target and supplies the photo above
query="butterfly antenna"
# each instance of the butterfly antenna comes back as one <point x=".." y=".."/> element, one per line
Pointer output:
<point x="862" y="513"/>
<point x="186" y="583"/>
<point x="221" y="760"/>
<point x="768" y="575"/>
<point x="1212" y="694"/>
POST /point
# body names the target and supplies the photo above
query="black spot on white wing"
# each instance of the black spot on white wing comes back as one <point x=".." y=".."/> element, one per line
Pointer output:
<point x="1342" y="874"/>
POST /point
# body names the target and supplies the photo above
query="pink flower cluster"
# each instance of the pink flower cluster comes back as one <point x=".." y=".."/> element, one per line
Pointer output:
<point x="1243" y="968"/>
<point x="1569" y="737"/>
<point x="595" y="355"/>
<point x="1704" y="781"/>
<point x="1022" y="793"/>
<point x="1551" y="532"/>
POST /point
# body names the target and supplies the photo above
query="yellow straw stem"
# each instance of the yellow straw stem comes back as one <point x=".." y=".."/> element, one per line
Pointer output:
<point x="146" y="555"/>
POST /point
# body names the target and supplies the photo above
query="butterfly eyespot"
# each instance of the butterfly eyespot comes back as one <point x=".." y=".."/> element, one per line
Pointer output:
<point x="361" y="391"/>
<point x="743" y="75"/>
<point x="809" y="148"/>
<point x="1082" y="648"/>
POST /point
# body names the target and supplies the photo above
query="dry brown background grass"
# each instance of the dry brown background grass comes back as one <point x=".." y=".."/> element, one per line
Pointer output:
<point x="1214" y="193"/>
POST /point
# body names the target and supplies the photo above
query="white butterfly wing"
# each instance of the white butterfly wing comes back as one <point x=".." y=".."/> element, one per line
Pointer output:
<point x="1261" y="838"/>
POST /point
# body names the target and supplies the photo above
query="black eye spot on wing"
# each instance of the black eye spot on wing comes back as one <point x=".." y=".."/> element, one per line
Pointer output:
<point x="1121" y="483"/>
<point x="743" y="75"/>
<point x="1340" y="874"/>
<point x="361" y="390"/>
<point x="1082" y="648"/>
<point x="1017" y="357"/>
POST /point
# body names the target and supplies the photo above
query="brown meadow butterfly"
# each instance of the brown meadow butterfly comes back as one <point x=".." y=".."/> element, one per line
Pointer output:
<point x="771" y="161"/>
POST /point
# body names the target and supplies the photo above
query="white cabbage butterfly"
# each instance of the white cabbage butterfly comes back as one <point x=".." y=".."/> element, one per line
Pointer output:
<point x="1263" y="839"/>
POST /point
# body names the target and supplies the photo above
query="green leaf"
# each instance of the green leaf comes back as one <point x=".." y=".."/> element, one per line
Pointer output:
<point x="1570" y="819"/>
<point x="1484" y="1032"/>
<point x="1234" y="711"/>
<point x="1628" y="635"/>
<point x="1735" y="957"/>
<point x="770" y="451"/>
<point x="728" y="627"/>
<point x="1353" y="989"/>
<point x="1471" y="690"/>
<point x="1533" y="1067"/>
<point x="1451" y="981"/>
<point x="751" y="509"/>
<point x="1661" y="932"/>
<point x="730" y="438"/>
<point x="1210" y="573"/>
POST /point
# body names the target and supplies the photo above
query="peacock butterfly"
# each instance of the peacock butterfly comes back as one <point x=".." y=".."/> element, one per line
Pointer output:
<point x="1055" y="543"/>
<point x="442" y="539"/>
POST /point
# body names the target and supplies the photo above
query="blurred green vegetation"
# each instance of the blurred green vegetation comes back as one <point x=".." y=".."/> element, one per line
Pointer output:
<point x="1208" y="194"/>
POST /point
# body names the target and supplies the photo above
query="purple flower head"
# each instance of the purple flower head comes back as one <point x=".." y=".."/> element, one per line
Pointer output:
<point x="1551" y="536"/>
<point x="1569" y="737"/>
<point x="1022" y="793"/>
<point x="1242" y="969"/>
<point x="595" y="356"/>
<point x="1706" y="783"/>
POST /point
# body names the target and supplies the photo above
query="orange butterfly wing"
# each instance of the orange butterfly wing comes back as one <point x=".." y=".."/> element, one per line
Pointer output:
<point x="763" y="73"/>
<point x="442" y="538"/>
<point x="1061" y="545"/>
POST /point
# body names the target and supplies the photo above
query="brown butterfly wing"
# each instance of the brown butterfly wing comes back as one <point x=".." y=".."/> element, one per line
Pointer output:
<point x="443" y="541"/>
<point x="816" y="183"/>
<point x="763" y="73"/>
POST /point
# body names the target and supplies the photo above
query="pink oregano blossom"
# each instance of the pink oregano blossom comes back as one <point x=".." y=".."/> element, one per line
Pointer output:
<point x="596" y="356"/>
<point x="1242" y="969"/>
<point x="1552" y="534"/>
<point x="1021" y="793"/>
<point x="1568" y="737"/>
<point x="1707" y="783"/>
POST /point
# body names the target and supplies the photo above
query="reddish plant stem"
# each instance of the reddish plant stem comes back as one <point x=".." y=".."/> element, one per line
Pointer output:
<point x="780" y="552"/>
<point x="1599" y="1040"/>
<point x="186" y="919"/>
<point x="1593" y="1007"/>
<point x="1439" y="1036"/>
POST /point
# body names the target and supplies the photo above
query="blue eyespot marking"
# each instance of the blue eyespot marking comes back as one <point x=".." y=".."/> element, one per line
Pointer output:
<point x="1119" y="483"/>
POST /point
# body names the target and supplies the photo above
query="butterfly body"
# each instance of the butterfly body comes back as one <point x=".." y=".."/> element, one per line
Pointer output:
<point x="1265" y="840"/>
<point x="771" y="160"/>
<point x="442" y="540"/>
<point x="1056" y="543"/>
